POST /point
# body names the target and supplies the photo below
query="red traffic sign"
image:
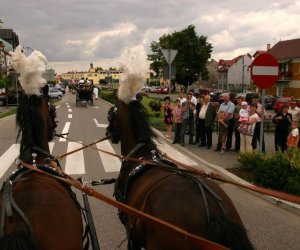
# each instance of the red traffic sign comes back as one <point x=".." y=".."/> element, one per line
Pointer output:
<point x="265" y="70"/>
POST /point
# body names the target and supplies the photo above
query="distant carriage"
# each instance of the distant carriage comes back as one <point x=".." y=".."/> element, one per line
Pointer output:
<point x="84" y="94"/>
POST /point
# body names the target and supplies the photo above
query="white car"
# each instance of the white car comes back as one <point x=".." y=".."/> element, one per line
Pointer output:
<point x="55" y="93"/>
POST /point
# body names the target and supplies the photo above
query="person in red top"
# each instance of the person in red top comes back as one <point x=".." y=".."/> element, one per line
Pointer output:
<point x="167" y="108"/>
<point x="293" y="138"/>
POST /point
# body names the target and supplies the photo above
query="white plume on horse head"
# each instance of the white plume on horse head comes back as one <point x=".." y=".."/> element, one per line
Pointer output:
<point x="135" y="68"/>
<point x="31" y="69"/>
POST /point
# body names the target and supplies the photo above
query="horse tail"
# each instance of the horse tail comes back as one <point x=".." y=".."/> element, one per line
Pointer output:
<point x="228" y="233"/>
<point x="18" y="241"/>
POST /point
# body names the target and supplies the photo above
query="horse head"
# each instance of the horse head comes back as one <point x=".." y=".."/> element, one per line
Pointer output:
<point x="35" y="123"/>
<point x="129" y="123"/>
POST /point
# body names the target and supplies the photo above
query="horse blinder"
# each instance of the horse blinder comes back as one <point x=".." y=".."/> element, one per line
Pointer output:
<point x="111" y="115"/>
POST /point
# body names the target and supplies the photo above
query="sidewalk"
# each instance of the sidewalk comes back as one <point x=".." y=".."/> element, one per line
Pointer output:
<point x="4" y="110"/>
<point x="212" y="161"/>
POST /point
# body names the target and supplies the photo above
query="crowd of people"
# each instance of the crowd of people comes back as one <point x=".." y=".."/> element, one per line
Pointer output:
<point x="198" y="118"/>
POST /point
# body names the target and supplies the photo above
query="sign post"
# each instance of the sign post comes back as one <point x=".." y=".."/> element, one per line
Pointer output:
<point x="169" y="55"/>
<point x="264" y="73"/>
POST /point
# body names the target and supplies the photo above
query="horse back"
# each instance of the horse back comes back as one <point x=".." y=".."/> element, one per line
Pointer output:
<point x="53" y="214"/>
<point x="177" y="199"/>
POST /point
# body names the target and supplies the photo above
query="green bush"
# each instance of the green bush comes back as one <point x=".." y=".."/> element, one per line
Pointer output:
<point x="280" y="171"/>
<point x="155" y="105"/>
<point x="293" y="185"/>
<point x="250" y="161"/>
<point x="108" y="96"/>
<point x="273" y="171"/>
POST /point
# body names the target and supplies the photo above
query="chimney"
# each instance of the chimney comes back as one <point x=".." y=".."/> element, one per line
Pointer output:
<point x="268" y="46"/>
<point x="91" y="65"/>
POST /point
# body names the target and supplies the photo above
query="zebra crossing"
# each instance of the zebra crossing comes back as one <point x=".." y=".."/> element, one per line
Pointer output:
<point x="74" y="164"/>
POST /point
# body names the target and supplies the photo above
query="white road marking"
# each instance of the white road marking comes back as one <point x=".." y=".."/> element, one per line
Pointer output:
<point x="173" y="153"/>
<point x="75" y="161"/>
<point x="8" y="158"/>
<point x="65" y="131"/>
<point x="99" y="125"/>
<point x="110" y="163"/>
<point x="92" y="107"/>
<point x="51" y="145"/>
<point x="11" y="154"/>
<point x="70" y="116"/>
<point x="69" y="110"/>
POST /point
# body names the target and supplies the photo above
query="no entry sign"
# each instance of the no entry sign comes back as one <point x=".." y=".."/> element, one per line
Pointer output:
<point x="265" y="70"/>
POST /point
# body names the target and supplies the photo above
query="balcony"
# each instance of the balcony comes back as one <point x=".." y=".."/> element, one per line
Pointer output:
<point x="285" y="76"/>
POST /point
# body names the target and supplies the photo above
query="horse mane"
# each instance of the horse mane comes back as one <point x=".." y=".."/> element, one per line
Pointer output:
<point x="140" y="122"/>
<point x="29" y="121"/>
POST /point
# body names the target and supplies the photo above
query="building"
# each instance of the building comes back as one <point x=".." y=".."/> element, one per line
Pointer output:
<point x="94" y="75"/>
<point x="288" y="55"/>
<point x="234" y="74"/>
<point x="213" y="76"/>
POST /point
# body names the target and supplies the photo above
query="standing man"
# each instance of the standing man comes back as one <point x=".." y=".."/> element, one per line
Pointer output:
<point x="236" y="116"/>
<point x="188" y="108"/>
<point x="282" y="120"/>
<point x="228" y="108"/>
<point x="181" y="98"/>
<point x="207" y="115"/>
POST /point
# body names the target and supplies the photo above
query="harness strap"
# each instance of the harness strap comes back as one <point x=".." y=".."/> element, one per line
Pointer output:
<point x="8" y="204"/>
<point x="201" y="242"/>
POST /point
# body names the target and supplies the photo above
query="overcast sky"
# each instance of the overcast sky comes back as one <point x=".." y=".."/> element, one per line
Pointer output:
<point x="74" y="33"/>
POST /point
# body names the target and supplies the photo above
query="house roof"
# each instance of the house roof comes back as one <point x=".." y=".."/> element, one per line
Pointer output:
<point x="286" y="49"/>
<point x="228" y="63"/>
<point x="259" y="52"/>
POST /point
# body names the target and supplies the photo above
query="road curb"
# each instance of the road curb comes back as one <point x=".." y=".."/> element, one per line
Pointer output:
<point x="295" y="208"/>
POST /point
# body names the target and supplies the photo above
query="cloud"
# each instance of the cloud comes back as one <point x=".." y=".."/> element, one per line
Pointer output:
<point x="73" y="34"/>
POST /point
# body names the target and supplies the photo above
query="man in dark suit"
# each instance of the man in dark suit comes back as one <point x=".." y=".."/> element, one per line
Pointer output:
<point x="206" y="118"/>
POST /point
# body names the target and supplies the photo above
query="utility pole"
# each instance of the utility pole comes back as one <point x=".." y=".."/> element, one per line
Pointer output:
<point x="169" y="55"/>
<point x="243" y="66"/>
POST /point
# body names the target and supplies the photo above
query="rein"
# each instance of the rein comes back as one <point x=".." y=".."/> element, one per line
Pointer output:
<point x="201" y="242"/>
<point x="277" y="194"/>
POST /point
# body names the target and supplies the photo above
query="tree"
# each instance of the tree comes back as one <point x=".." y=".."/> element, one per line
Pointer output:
<point x="193" y="53"/>
<point x="5" y="81"/>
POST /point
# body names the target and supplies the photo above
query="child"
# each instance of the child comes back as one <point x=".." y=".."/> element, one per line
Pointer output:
<point x="244" y="116"/>
<point x="223" y="127"/>
<point x="293" y="138"/>
<point x="177" y="117"/>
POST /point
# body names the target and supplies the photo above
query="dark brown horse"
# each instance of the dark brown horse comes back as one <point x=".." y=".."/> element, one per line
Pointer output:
<point x="37" y="210"/>
<point x="191" y="202"/>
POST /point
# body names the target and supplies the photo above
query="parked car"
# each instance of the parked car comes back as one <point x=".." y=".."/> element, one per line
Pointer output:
<point x="164" y="90"/>
<point x="270" y="101"/>
<point x="214" y="95"/>
<point x="285" y="100"/>
<point x="55" y="93"/>
<point x="146" y="88"/>
<point x="11" y="98"/>
<point x="153" y="89"/>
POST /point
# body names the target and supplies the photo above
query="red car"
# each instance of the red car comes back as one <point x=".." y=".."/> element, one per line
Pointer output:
<point x="285" y="100"/>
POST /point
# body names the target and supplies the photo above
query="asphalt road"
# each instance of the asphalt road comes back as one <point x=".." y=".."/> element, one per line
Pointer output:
<point x="269" y="226"/>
